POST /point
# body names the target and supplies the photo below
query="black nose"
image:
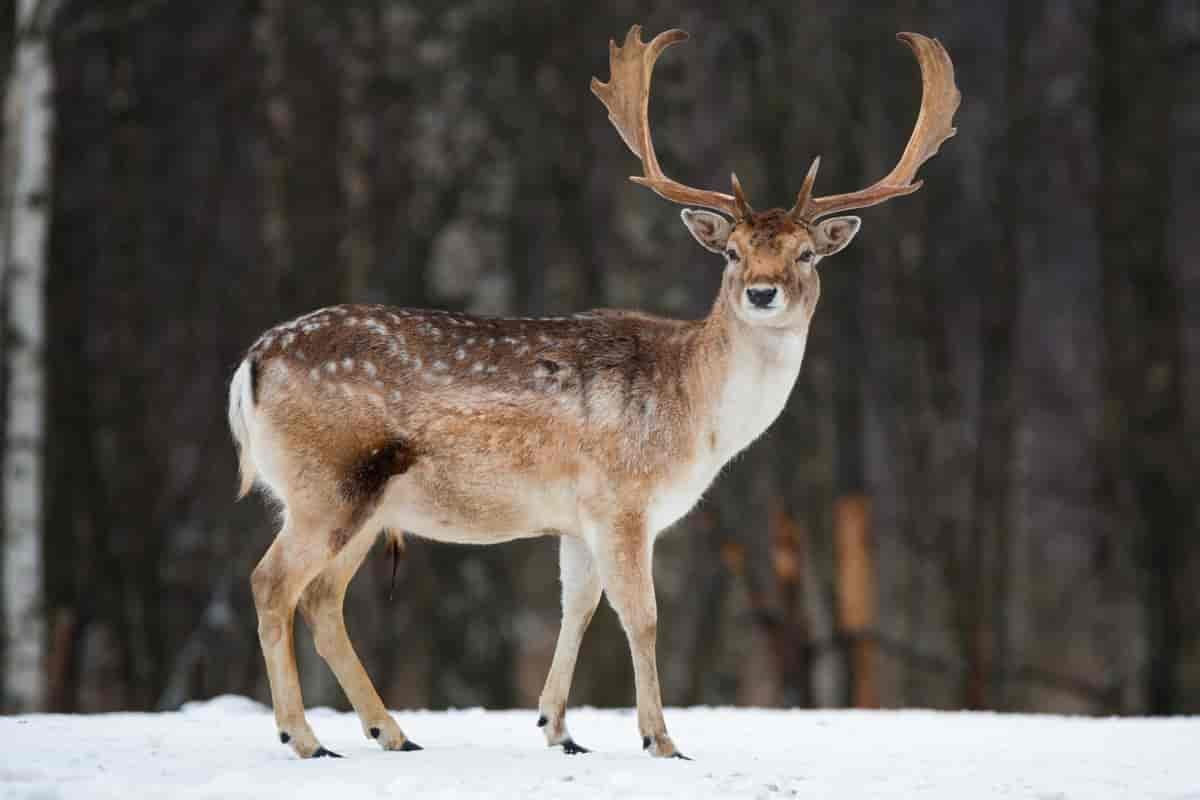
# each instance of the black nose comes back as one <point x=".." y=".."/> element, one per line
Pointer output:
<point x="761" y="297"/>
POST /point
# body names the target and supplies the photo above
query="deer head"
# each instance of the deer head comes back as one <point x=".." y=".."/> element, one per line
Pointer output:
<point x="771" y="255"/>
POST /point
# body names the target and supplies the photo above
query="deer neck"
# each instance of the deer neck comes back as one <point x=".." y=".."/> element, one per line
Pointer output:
<point x="749" y="372"/>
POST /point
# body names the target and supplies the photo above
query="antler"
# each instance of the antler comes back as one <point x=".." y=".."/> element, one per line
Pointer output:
<point x="627" y="98"/>
<point x="939" y="101"/>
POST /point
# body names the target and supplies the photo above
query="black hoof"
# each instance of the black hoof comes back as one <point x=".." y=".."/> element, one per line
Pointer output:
<point x="323" y="753"/>
<point x="542" y="721"/>
<point x="409" y="746"/>
<point x="682" y="756"/>
<point x="284" y="738"/>
<point x="571" y="749"/>
<point x="645" y="742"/>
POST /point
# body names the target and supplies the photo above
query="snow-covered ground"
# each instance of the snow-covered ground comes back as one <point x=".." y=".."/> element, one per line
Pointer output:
<point x="227" y="748"/>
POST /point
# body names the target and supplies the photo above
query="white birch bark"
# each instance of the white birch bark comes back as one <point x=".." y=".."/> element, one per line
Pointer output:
<point x="29" y="119"/>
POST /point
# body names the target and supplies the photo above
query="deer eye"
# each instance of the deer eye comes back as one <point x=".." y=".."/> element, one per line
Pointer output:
<point x="732" y="255"/>
<point x="805" y="256"/>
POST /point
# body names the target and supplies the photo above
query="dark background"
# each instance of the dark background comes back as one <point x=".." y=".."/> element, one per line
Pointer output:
<point x="982" y="494"/>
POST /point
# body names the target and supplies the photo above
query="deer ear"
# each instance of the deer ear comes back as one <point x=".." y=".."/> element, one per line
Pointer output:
<point x="831" y="235"/>
<point x="710" y="230"/>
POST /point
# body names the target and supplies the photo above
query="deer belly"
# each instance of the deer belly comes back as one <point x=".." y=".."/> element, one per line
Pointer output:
<point x="477" y="506"/>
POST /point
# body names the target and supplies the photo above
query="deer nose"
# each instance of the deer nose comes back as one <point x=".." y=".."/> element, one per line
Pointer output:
<point x="761" y="297"/>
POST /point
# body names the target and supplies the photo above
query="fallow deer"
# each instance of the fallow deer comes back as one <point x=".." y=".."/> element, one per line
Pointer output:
<point x="601" y="428"/>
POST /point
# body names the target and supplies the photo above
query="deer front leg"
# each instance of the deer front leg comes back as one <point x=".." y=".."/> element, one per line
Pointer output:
<point x="624" y="555"/>
<point x="580" y="595"/>
<point x="322" y="604"/>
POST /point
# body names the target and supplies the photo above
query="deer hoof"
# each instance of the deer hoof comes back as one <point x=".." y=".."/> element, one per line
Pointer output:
<point x="321" y="752"/>
<point x="571" y="748"/>
<point x="409" y="746"/>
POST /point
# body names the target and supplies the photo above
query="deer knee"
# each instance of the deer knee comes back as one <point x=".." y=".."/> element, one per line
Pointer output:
<point x="643" y="627"/>
<point x="266" y="584"/>
<point x="326" y="637"/>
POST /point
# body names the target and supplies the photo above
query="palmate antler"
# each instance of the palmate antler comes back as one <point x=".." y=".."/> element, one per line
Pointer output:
<point x="627" y="98"/>
<point x="939" y="101"/>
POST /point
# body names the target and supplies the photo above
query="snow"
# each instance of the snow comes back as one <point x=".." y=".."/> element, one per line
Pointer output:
<point x="226" y="748"/>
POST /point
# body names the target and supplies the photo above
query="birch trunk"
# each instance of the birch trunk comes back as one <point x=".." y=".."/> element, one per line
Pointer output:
<point x="29" y="118"/>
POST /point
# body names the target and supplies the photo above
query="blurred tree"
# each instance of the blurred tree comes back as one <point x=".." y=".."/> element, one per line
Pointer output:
<point x="29" y="125"/>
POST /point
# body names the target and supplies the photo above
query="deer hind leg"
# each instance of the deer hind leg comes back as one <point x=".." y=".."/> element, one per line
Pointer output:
<point x="623" y="558"/>
<point x="580" y="595"/>
<point x="321" y="605"/>
<point x="282" y="574"/>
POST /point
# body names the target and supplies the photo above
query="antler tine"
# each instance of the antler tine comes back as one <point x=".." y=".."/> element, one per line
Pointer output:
<point x="939" y="101"/>
<point x="627" y="98"/>
<point x="739" y="198"/>
<point x="806" y="188"/>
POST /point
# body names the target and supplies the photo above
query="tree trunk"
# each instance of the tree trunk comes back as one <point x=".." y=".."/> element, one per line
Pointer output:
<point x="356" y="249"/>
<point x="272" y="153"/>
<point x="29" y="116"/>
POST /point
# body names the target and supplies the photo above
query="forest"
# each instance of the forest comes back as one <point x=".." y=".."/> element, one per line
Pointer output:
<point x="982" y="494"/>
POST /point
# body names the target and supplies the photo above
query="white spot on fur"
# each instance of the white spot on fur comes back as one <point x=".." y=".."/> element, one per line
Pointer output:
<point x="369" y="368"/>
<point x="460" y="354"/>
<point x="470" y="341"/>
<point x="491" y="341"/>
<point x="287" y="341"/>
<point x="439" y="365"/>
<point x="314" y="374"/>
<point x="417" y="362"/>
<point x="491" y="369"/>
<point x="395" y="395"/>
<point x="477" y="366"/>
<point x="348" y="364"/>
<point x="331" y="367"/>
